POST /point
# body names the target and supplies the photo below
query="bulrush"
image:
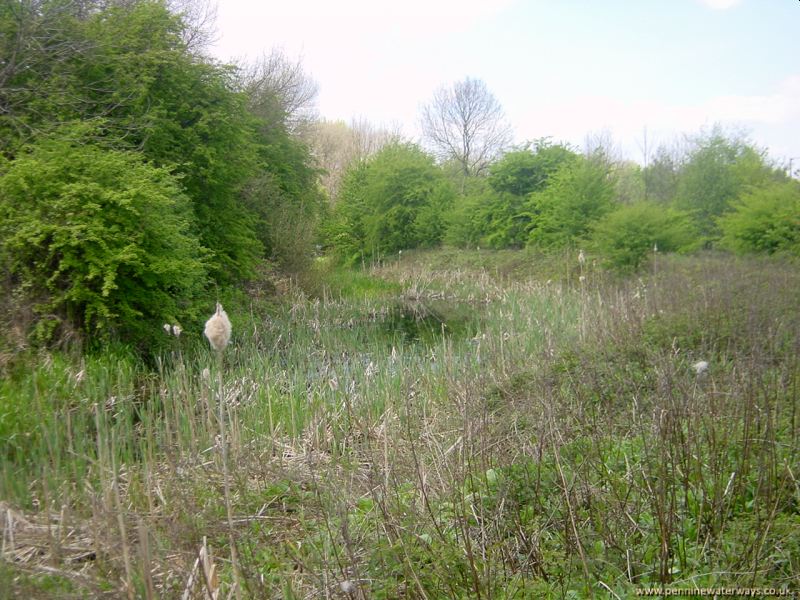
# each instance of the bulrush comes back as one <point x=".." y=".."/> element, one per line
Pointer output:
<point x="700" y="367"/>
<point x="218" y="329"/>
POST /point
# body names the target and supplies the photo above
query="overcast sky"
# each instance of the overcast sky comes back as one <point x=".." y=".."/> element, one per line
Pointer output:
<point x="560" y="68"/>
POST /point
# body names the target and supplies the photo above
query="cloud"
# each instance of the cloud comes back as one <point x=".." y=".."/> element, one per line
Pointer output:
<point x="772" y="119"/>
<point x="720" y="4"/>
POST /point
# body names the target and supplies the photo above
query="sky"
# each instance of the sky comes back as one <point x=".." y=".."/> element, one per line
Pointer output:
<point x="643" y="72"/>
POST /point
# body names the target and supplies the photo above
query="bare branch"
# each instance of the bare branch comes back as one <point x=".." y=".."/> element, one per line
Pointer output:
<point x="465" y="123"/>
<point x="276" y="83"/>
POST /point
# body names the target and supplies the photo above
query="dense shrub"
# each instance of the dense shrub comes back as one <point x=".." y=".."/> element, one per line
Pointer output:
<point x="528" y="170"/>
<point x="764" y="220"/>
<point x="396" y="200"/>
<point x="98" y="239"/>
<point x="628" y="235"/>
<point x="579" y="194"/>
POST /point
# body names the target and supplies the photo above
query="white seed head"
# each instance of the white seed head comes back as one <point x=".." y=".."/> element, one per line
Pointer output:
<point x="218" y="329"/>
<point x="347" y="586"/>
<point x="581" y="257"/>
<point x="582" y="278"/>
<point x="177" y="330"/>
<point x="700" y="367"/>
<point x="206" y="374"/>
<point x="167" y="327"/>
<point x="655" y="247"/>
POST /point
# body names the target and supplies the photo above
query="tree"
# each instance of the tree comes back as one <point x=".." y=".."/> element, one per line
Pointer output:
<point x="465" y="123"/>
<point x="764" y="220"/>
<point x="395" y="200"/>
<point x="279" y="91"/>
<point x="528" y="170"/>
<point x="717" y="171"/>
<point x="198" y="137"/>
<point x="579" y="194"/>
<point x="626" y="236"/>
<point x="336" y="146"/>
<point x="661" y="175"/>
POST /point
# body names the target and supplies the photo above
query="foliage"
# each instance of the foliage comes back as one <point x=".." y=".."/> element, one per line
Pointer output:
<point x="465" y="221"/>
<point x="183" y="112"/>
<point x="99" y="239"/>
<point x="661" y="176"/>
<point x="626" y="236"/>
<point x="765" y="220"/>
<point x="630" y="183"/>
<point x="716" y="172"/>
<point x="128" y="77"/>
<point x="498" y="215"/>
<point x="392" y="202"/>
<point x="579" y="194"/>
<point x="521" y="172"/>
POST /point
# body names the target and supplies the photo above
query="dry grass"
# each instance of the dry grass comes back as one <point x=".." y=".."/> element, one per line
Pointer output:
<point x="554" y="438"/>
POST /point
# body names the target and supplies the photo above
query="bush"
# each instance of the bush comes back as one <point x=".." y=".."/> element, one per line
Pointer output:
<point x="395" y="201"/>
<point x="528" y="170"/>
<point x="98" y="240"/>
<point x="580" y="193"/>
<point x="626" y="236"/>
<point x="764" y="220"/>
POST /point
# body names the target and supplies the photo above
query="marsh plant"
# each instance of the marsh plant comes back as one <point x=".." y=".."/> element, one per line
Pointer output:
<point x="435" y="427"/>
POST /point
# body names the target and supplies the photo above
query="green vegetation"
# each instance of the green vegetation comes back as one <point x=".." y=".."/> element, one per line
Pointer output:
<point x="516" y="373"/>
<point x="393" y="201"/>
<point x="102" y="240"/>
<point x="764" y="220"/>
<point x="168" y="175"/>
<point x="628" y="235"/>
<point x="457" y="427"/>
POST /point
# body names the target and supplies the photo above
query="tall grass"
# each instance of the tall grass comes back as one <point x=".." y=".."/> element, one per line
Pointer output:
<point x="453" y="430"/>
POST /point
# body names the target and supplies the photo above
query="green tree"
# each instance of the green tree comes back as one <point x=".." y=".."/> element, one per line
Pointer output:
<point x="182" y="112"/>
<point x="395" y="200"/>
<point x="521" y="172"/>
<point x="764" y="220"/>
<point x="128" y="68"/>
<point x="579" y="194"/>
<point x="661" y="176"/>
<point x="99" y="240"/>
<point x="716" y="172"/>
<point x="629" y="234"/>
<point x="466" y="221"/>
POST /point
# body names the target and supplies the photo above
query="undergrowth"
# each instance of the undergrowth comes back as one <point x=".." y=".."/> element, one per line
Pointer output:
<point x="437" y="426"/>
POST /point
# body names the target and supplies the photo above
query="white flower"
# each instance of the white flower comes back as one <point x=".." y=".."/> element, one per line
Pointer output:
<point x="167" y="327"/>
<point x="218" y="329"/>
<point x="655" y="247"/>
<point x="582" y="278"/>
<point x="177" y="330"/>
<point x="700" y="367"/>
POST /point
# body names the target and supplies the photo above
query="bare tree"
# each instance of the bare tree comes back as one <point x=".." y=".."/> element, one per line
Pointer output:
<point x="336" y="145"/>
<point x="466" y="124"/>
<point x="277" y="83"/>
<point x="199" y="18"/>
